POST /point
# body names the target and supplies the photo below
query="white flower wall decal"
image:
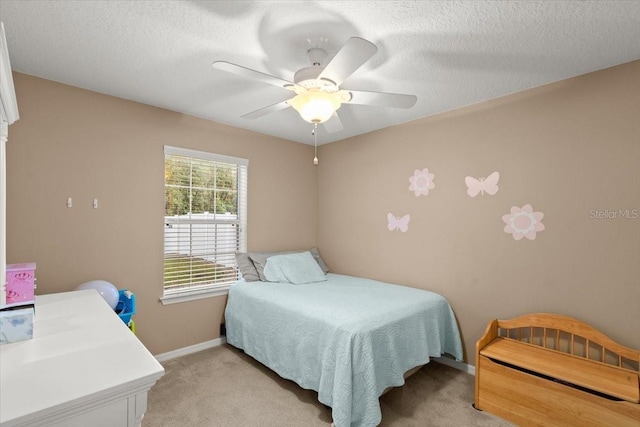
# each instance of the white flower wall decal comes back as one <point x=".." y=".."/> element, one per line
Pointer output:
<point x="523" y="222"/>
<point x="421" y="182"/>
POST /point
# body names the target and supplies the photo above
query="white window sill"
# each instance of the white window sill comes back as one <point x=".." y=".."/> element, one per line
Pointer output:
<point x="191" y="295"/>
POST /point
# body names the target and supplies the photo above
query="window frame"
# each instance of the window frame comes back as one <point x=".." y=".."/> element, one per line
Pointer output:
<point x="194" y="292"/>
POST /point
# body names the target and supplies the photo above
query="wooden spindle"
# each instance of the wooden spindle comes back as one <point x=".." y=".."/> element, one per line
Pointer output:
<point x="572" y="341"/>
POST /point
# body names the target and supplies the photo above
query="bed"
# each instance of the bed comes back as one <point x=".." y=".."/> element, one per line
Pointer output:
<point x="347" y="338"/>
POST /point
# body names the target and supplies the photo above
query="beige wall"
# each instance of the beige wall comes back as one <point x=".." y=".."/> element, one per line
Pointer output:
<point x="74" y="143"/>
<point x="565" y="148"/>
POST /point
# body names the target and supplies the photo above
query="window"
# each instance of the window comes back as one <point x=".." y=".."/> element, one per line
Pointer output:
<point x="204" y="224"/>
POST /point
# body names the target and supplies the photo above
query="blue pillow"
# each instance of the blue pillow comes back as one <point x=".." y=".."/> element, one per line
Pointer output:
<point x="295" y="268"/>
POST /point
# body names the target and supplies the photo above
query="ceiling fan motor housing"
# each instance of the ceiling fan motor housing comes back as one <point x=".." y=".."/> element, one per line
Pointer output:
<point x="308" y="78"/>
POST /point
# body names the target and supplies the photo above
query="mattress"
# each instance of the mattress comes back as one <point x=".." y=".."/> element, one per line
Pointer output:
<point x="347" y="338"/>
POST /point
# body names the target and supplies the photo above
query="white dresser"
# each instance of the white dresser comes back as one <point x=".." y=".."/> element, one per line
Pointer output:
<point x="83" y="368"/>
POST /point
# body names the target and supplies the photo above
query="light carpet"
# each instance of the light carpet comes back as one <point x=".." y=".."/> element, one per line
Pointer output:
<point x="224" y="387"/>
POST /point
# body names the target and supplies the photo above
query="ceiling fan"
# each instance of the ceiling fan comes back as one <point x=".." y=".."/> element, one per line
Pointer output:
<point x="317" y="92"/>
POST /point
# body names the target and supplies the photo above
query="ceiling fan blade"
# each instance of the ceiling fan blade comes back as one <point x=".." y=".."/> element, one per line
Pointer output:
<point x="266" y="110"/>
<point x="334" y="124"/>
<point x="355" y="52"/>
<point x="252" y="74"/>
<point x="382" y="99"/>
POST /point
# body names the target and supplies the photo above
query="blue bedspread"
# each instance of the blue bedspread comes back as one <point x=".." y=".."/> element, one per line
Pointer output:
<point x="347" y="338"/>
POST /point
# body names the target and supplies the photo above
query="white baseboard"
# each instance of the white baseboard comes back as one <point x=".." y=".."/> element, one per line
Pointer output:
<point x="190" y="349"/>
<point x="469" y="369"/>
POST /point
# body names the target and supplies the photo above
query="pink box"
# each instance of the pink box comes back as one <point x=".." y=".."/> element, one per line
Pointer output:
<point x="21" y="282"/>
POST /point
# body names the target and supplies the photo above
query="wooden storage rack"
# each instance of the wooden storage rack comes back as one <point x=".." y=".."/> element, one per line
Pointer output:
<point x="551" y="370"/>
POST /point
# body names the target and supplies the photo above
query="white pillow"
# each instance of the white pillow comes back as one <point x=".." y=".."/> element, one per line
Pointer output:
<point x="295" y="268"/>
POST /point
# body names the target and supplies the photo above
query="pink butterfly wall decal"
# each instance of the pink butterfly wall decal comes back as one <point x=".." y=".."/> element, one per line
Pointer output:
<point x="482" y="185"/>
<point x="401" y="224"/>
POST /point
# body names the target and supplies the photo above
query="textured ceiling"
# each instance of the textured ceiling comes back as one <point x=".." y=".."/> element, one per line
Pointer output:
<point x="448" y="53"/>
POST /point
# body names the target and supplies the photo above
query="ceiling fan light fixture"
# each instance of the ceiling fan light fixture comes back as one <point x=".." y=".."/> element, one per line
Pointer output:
<point x="317" y="93"/>
<point x="316" y="106"/>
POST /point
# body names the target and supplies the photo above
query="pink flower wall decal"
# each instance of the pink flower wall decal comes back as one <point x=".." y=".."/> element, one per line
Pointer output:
<point x="523" y="222"/>
<point x="421" y="182"/>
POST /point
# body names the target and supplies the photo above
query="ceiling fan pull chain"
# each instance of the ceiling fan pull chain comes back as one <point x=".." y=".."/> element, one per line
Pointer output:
<point x="314" y="132"/>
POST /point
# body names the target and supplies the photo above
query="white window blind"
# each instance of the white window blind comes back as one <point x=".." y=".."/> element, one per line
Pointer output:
<point x="205" y="220"/>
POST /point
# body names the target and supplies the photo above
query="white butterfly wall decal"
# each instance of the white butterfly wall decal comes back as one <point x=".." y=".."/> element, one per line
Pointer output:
<point x="401" y="224"/>
<point x="482" y="185"/>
